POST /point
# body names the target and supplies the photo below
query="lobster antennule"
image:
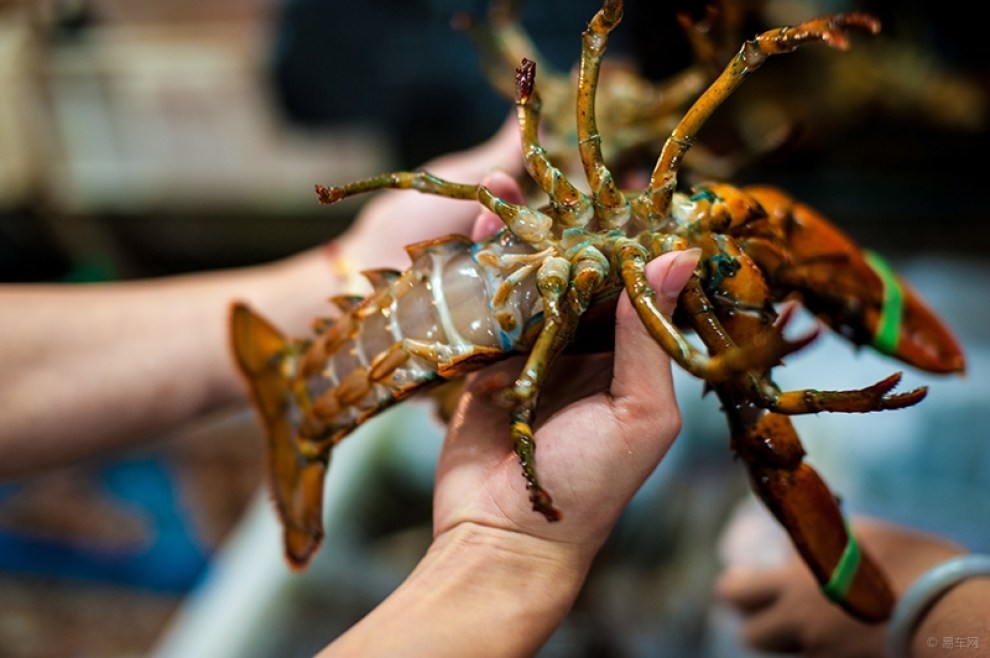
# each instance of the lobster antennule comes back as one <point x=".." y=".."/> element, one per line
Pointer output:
<point x="260" y="351"/>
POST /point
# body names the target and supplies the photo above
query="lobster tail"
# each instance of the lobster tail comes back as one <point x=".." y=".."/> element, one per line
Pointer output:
<point x="262" y="354"/>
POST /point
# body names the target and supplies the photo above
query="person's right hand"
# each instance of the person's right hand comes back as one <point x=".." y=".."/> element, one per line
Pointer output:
<point x="604" y="423"/>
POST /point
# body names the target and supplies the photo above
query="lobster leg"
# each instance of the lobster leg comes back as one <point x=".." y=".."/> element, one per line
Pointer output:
<point x="752" y="55"/>
<point x="765" y="393"/>
<point x="790" y="488"/>
<point x="611" y="204"/>
<point x="525" y="393"/>
<point x="566" y="295"/>
<point x="503" y="43"/>
<point x="573" y="208"/>
<point x="872" y="398"/>
<point x="765" y="350"/>
<point x="527" y="224"/>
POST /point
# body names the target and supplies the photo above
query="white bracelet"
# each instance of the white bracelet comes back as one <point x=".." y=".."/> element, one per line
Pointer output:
<point x="923" y="593"/>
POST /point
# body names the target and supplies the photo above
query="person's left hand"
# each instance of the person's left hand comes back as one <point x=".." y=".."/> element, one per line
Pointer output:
<point x="396" y="218"/>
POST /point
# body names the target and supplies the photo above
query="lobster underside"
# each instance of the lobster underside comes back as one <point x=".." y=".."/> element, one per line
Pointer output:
<point x="532" y="287"/>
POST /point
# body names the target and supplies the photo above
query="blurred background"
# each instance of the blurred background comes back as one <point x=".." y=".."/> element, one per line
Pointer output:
<point x="142" y="138"/>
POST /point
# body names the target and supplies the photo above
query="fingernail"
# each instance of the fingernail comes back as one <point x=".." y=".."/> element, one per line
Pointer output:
<point x="679" y="273"/>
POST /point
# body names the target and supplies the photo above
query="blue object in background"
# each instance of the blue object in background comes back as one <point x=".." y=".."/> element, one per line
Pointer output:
<point x="172" y="559"/>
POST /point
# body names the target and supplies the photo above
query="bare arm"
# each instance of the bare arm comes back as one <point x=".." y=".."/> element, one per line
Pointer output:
<point x="91" y="368"/>
<point x="479" y="591"/>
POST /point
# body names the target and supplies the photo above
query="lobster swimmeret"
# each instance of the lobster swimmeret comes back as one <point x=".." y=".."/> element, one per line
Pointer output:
<point x="527" y="289"/>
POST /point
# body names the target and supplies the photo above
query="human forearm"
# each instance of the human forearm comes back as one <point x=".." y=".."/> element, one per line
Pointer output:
<point x="478" y="591"/>
<point x="88" y="368"/>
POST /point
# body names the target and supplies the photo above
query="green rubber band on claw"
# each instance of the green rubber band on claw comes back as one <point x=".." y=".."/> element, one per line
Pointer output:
<point x="838" y="585"/>
<point x="892" y="311"/>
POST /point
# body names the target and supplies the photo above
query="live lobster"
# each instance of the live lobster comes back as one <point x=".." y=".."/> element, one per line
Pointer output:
<point x="536" y="283"/>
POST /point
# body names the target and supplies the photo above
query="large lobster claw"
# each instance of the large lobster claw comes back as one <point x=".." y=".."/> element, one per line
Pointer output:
<point x="852" y="290"/>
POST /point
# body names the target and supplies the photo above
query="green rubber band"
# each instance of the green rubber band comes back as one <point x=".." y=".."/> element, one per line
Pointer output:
<point x="838" y="585"/>
<point x="892" y="311"/>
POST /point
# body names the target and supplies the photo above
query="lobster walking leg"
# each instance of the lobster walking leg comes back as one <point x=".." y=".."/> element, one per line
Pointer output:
<point x="877" y="397"/>
<point x="573" y="207"/>
<point x="765" y="350"/>
<point x="613" y="205"/>
<point x="750" y="57"/>
<point x="557" y="331"/>
<point x="526" y="223"/>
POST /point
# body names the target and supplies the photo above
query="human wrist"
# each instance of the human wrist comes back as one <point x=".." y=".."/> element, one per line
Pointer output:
<point x="513" y="562"/>
<point x="518" y="551"/>
<point x="478" y="591"/>
<point x="947" y="603"/>
<point x="961" y="616"/>
<point x="294" y="290"/>
<point x="510" y="580"/>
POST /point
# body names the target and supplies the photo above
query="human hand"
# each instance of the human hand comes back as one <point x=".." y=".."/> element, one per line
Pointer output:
<point x="498" y="578"/>
<point x="604" y="423"/>
<point x="783" y="609"/>
<point x="396" y="218"/>
<point x="384" y="226"/>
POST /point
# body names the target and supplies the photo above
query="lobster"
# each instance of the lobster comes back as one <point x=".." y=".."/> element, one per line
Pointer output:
<point x="554" y="270"/>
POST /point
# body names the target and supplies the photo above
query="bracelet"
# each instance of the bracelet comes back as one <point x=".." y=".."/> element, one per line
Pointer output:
<point x="924" y="592"/>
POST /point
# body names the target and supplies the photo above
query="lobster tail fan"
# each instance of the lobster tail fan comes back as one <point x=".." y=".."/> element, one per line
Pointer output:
<point x="296" y="480"/>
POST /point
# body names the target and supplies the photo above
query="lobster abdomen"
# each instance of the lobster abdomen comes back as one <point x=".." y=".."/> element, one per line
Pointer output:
<point x="433" y="321"/>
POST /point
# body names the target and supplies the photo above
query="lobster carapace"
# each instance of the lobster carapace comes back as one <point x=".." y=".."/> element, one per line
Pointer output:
<point x="525" y="290"/>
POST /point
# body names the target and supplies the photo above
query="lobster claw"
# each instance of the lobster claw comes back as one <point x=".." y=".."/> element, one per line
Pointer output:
<point x="852" y="290"/>
<point x="904" y="327"/>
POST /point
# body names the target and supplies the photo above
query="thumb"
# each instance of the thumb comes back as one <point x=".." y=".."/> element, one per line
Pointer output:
<point x="634" y="346"/>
